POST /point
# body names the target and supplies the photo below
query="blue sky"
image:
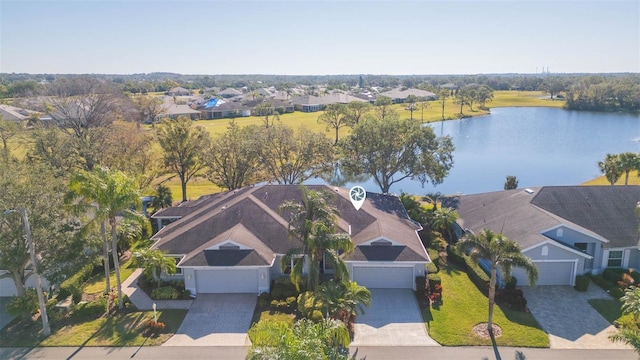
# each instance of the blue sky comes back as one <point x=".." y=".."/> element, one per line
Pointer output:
<point x="321" y="37"/>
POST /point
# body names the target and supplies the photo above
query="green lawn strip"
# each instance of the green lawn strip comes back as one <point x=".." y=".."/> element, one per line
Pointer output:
<point x="97" y="283"/>
<point x="610" y="310"/>
<point x="120" y="330"/>
<point x="464" y="306"/>
<point x="270" y="315"/>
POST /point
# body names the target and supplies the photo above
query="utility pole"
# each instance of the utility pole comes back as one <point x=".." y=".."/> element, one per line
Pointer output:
<point x="46" y="329"/>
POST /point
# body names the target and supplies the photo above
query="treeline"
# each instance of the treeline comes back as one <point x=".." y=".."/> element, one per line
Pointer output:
<point x="598" y="93"/>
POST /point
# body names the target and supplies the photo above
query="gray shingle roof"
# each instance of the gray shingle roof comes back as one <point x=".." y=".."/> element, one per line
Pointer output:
<point x="601" y="211"/>
<point x="250" y="217"/>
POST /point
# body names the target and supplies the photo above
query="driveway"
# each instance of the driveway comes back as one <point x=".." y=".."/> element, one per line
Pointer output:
<point x="216" y="320"/>
<point x="393" y="319"/>
<point x="567" y="317"/>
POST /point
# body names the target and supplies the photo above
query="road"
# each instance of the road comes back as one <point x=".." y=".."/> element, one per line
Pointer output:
<point x="371" y="353"/>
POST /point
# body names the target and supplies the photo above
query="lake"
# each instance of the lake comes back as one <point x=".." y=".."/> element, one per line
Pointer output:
<point x="540" y="146"/>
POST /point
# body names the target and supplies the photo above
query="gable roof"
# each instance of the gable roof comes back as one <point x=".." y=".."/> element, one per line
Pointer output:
<point x="251" y="217"/>
<point x="599" y="211"/>
<point x="13" y="113"/>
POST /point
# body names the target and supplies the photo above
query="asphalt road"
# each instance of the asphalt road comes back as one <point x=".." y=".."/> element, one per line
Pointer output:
<point x="370" y="353"/>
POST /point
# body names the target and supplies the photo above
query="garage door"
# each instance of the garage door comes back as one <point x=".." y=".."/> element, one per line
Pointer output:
<point x="227" y="281"/>
<point x="549" y="273"/>
<point x="384" y="277"/>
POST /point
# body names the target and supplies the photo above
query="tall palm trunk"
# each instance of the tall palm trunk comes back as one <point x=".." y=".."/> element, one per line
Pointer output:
<point x="116" y="263"/>
<point x="105" y="254"/>
<point x="492" y="297"/>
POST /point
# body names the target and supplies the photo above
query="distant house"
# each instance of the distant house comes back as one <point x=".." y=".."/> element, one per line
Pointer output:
<point x="179" y="91"/>
<point x="400" y="96"/>
<point x="216" y="109"/>
<point x="310" y="103"/>
<point x="173" y="111"/>
<point x="16" y="114"/>
<point x="233" y="242"/>
<point x="229" y="93"/>
<point x="565" y="230"/>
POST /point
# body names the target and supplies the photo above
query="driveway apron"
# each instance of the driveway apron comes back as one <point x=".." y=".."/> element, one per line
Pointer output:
<point x="394" y="319"/>
<point x="216" y="320"/>
<point x="571" y="322"/>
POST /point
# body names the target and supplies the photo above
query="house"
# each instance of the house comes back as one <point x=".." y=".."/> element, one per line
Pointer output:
<point x="179" y="91"/>
<point x="216" y="109"/>
<point x="233" y="242"/>
<point x="310" y="103"/>
<point x="565" y="230"/>
<point x="229" y="93"/>
<point x="400" y="96"/>
<point x="16" y="114"/>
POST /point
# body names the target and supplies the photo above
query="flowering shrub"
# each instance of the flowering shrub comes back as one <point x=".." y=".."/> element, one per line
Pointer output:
<point x="157" y="326"/>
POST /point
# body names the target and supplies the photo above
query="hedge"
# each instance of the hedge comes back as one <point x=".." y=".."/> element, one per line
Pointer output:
<point x="165" y="293"/>
<point x="475" y="272"/>
<point x="582" y="283"/>
<point x="73" y="285"/>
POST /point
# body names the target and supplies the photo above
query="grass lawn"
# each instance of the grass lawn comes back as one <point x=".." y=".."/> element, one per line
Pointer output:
<point x="270" y="315"/>
<point x="610" y="310"/>
<point x="508" y="98"/>
<point x="464" y="306"/>
<point x="97" y="283"/>
<point x="119" y="330"/>
<point x="634" y="179"/>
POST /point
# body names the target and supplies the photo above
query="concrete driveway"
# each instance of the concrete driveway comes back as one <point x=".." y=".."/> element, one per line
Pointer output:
<point x="568" y="318"/>
<point x="216" y="320"/>
<point x="393" y="319"/>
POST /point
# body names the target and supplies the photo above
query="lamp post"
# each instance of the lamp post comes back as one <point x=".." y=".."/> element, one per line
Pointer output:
<point x="46" y="329"/>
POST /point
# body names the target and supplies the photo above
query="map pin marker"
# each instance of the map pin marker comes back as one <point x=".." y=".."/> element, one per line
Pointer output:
<point x="357" y="194"/>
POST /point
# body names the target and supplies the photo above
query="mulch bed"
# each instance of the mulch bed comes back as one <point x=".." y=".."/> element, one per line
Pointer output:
<point x="482" y="332"/>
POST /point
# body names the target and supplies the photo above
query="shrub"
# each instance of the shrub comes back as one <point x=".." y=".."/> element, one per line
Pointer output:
<point x="291" y="301"/>
<point x="283" y="288"/>
<point x="582" y="283"/>
<point x="274" y="303"/>
<point x="93" y="309"/>
<point x="434" y="277"/>
<point x="27" y="303"/>
<point x="73" y="285"/>
<point x="155" y="326"/>
<point x="511" y="283"/>
<point x="308" y="303"/>
<point x="512" y="298"/>
<point x="432" y="268"/>
<point x="165" y="293"/>
<point x="316" y="316"/>
<point x="263" y="300"/>
<point x="602" y="282"/>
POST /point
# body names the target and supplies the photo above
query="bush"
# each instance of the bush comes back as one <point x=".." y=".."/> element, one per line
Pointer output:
<point x="165" y="293"/>
<point x="317" y="316"/>
<point x="155" y="326"/>
<point x="582" y="283"/>
<point x="511" y="283"/>
<point x="434" y="277"/>
<point x="93" y="309"/>
<point x="73" y="285"/>
<point x="291" y="301"/>
<point x="432" y="268"/>
<point x="283" y="288"/>
<point x="602" y="282"/>
<point x="512" y="298"/>
<point x="263" y="300"/>
<point x="614" y="275"/>
<point x="27" y="303"/>
<point x="308" y="303"/>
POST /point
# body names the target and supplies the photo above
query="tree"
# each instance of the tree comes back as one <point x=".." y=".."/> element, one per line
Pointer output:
<point x="483" y="94"/>
<point x="305" y="340"/>
<point x="629" y="333"/>
<point x="611" y="168"/>
<point x="109" y="194"/>
<point x="335" y="116"/>
<point x="312" y="223"/>
<point x="443" y="219"/>
<point x="162" y="197"/>
<point x="53" y="231"/>
<point x="291" y="158"/>
<point x="155" y="263"/>
<point x="511" y="182"/>
<point x="501" y="253"/>
<point x="423" y="105"/>
<point x="463" y="97"/>
<point x="233" y="158"/>
<point x="383" y="105"/>
<point x="356" y="110"/>
<point x="392" y="150"/>
<point x="442" y="95"/>
<point x="8" y="130"/>
<point x="628" y="162"/>
<point x="267" y="111"/>
<point x="411" y="100"/>
<point x="182" y="144"/>
<point x="148" y="109"/>
<point x="343" y="300"/>
<point x="553" y="85"/>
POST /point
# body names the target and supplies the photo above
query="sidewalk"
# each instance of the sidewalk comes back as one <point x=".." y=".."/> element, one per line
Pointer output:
<point x="143" y="302"/>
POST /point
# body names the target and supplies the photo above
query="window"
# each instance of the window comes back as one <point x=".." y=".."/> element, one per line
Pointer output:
<point x="615" y="258"/>
<point x="545" y="251"/>
<point x="581" y="246"/>
<point x="559" y="232"/>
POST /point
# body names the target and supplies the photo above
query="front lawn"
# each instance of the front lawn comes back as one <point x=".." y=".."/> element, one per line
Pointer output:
<point x="97" y="284"/>
<point x="464" y="306"/>
<point x="127" y="329"/>
<point x="610" y="310"/>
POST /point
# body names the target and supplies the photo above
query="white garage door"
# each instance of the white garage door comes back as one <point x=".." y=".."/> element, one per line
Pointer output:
<point x="227" y="281"/>
<point x="384" y="277"/>
<point x="549" y="273"/>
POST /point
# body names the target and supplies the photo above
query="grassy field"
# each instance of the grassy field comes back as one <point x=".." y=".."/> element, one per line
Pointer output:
<point x="464" y="306"/>
<point x="634" y="179"/>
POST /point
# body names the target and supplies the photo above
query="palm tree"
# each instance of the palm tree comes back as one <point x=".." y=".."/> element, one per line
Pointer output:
<point x="500" y="252"/>
<point x="443" y="220"/>
<point x="628" y="161"/>
<point x="344" y="300"/>
<point x="155" y="263"/>
<point x="313" y="224"/>
<point x="327" y="339"/>
<point x="163" y="197"/>
<point x="611" y="168"/>
<point x="630" y="334"/>
<point x="111" y="193"/>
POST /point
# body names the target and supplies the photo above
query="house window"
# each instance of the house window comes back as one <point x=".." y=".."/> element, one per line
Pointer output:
<point x="581" y="246"/>
<point x="559" y="232"/>
<point x="178" y="270"/>
<point x="615" y="258"/>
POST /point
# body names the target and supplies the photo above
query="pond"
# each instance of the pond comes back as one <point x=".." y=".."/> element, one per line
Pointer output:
<point x="540" y="146"/>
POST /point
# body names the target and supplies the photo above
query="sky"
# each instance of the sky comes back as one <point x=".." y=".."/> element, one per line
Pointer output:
<point x="319" y="37"/>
